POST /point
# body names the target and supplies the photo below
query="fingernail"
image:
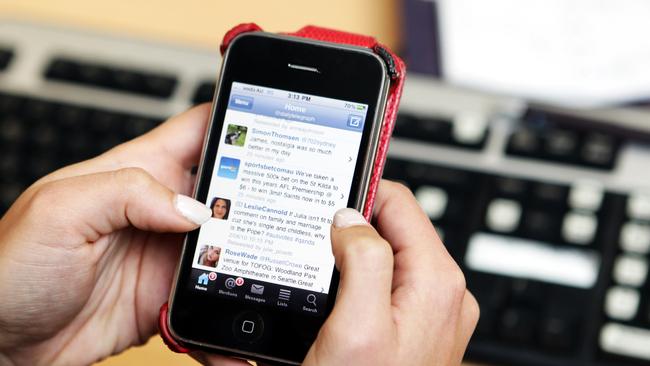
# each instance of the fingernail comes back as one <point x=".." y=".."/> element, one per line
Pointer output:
<point x="347" y="217"/>
<point x="192" y="209"/>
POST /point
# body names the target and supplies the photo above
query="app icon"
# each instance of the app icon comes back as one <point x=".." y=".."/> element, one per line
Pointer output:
<point x="284" y="295"/>
<point x="354" y="121"/>
<point x="239" y="281"/>
<point x="230" y="283"/>
<point x="203" y="279"/>
<point x="212" y="276"/>
<point x="228" y="168"/>
<point x="311" y="299"/>
<point x="257" y="289"/>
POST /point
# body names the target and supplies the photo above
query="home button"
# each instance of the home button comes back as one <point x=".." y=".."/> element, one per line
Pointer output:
<point x="248" y="326"/>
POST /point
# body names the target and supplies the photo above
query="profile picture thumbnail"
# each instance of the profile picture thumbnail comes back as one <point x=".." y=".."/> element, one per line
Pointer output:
<point x="220" y="208"/>
<point x="228" y="168"/>
<point x="209" y="256"/>
<point x="236" y="135"/>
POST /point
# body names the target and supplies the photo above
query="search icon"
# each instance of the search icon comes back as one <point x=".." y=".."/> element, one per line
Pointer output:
<point x="311" y="299"/>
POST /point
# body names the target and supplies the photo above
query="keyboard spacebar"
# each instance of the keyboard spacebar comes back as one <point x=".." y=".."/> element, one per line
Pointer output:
<point x="625" y="340"/>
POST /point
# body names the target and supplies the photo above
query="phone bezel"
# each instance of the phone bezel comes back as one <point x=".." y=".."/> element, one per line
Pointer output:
<point x="346" y="72"/>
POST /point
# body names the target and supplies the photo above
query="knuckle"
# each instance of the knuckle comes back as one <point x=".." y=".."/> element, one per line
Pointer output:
<point x="44" y="201"/>
<point x="371" y="248"/>
<point x="133" y="178"/>
<point x="451" y="283"/>
<point x="358" y="345"/>
<point x="401" y="190"/>
<point x="456" y="282"/>
<point x="472" y="308"/>
<point x="44" y="195"/>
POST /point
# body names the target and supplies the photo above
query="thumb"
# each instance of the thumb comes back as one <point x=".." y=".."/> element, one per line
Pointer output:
<point x="97" y="204"/>
<point x="365" y="261"/>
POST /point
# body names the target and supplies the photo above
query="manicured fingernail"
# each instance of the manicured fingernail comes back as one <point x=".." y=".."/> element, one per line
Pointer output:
<point x="192" y="209"/>
<point x="347" y="217"/>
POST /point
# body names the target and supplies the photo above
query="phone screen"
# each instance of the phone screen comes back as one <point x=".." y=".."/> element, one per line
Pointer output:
<point x="284" y="164"/>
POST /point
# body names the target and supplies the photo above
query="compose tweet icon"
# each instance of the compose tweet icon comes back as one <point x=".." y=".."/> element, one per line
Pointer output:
<point x="228" y="168"/>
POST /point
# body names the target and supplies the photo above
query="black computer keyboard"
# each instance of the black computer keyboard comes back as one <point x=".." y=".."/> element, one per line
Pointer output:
<point x="39" y="136"/>
<point x="517" y="241"/>
<point x="546" y="212"/>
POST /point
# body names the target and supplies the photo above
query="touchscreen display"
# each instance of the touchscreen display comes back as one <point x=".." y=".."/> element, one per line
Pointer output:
<point x="284" y="166"/>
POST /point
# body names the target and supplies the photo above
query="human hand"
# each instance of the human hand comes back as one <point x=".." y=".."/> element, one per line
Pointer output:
<point x="85" y="263"/>
<point x="402" y="299"/>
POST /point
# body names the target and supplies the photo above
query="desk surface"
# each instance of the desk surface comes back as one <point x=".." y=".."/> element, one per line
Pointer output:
<point x="202" y="24"/>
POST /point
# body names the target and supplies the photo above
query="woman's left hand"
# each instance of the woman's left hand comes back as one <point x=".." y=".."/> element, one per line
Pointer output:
<point x="85" y="258"/>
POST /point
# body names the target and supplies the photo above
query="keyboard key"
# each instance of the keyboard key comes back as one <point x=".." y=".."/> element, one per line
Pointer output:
<point x="204" y="93"/>
<point x="11" y="130"/>
<point x="72" y="117"/>
<point x="526" y="291"/>
<point x="469" y="128"/>
<point x="630" y="270"/>
<point x="503" y="215"/>
<point x="621" y="303"/>
<point x="579" y="227"/>
<point x="534" y="260"/>
<point x="635" y="238"/>
<point x="433" y="201"/>
<point x="547" y="193"/>
<point x="518" y="325"/>
<point x="557" y="331"/>
<point x="95" y="75"/>
<point x="490" y="290"/>
<point x="561" y="144"/>
<point x="158" y="85"/>
<point x="524" y="141"/>
<point x="439" y="176"/>
<point x="541" y="224"/>
<point x="625" y="340"/>
<point x="44" y="136"/>
<point x="8" y="194"/>
<point x="35" y="110"/>
<point x="127" y="80"/>
<point x="5" y="58"/>
<point x="10" y="105"/>
<point x="599" y="150"/>
<point x="586" y="195"/>
<point x="638" y="206"/>
<point x="9" y="164"/>
<point x="510" y="187"/>
<point x="425" y="129"/>
<point x="62" y="70"/>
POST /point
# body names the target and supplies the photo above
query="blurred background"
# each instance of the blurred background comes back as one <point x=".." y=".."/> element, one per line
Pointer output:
<point x="524" y="132"/>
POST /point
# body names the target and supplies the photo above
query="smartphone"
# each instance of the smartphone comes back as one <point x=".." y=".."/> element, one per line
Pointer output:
<point x="293" y="135"/>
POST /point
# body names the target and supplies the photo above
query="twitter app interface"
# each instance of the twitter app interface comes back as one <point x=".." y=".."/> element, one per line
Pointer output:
<point x="284" y="165"/>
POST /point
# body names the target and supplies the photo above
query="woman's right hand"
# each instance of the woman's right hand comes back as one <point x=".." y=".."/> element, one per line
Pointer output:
<point x="402" y="299"/>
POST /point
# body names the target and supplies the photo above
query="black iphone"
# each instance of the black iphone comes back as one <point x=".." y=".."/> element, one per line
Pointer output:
<point x="293" y="133"/>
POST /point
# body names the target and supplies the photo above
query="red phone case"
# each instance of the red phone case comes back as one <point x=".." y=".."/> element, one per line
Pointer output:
<point x="397" y="72"/>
